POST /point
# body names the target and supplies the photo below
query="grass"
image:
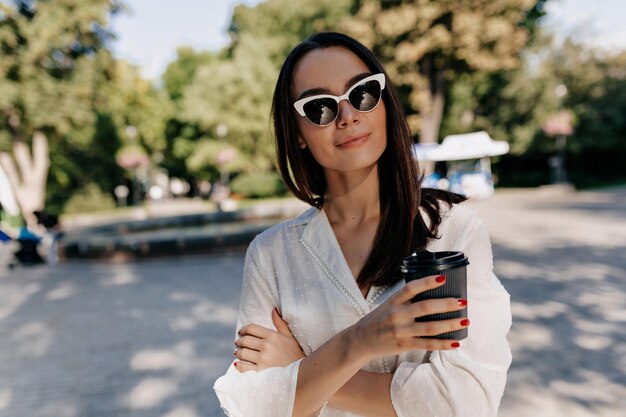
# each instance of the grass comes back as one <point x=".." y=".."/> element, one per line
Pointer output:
<point x="251" y="202"/>
<point x="114" y="212"/>
<point x="210" y="206"/>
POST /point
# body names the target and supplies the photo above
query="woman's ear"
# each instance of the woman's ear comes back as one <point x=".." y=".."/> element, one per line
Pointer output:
<point x="301" y="143"/>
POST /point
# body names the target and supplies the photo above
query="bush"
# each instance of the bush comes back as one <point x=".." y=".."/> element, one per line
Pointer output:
<point x="259" y="186"/>
<point x="89" y="198"/>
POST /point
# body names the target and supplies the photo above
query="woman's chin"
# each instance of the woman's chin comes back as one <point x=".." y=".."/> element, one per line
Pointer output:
<point x="365" y="164"/>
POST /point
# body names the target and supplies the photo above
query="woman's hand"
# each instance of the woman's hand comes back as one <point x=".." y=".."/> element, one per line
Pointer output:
<point x="391" y="328"/>
<point x="263" y="348"/>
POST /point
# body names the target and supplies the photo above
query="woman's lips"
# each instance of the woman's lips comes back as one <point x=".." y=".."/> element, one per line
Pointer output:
<point x="354" y="142"/>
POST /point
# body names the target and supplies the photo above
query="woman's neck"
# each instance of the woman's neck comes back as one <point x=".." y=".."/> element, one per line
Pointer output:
<point x="352" y="197"/>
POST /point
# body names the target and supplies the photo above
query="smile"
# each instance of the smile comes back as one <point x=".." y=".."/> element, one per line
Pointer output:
<point x="352" y="142"/>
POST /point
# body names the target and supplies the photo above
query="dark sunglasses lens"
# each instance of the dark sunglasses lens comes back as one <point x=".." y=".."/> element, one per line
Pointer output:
<point x="321" y="111"/>
<point x="365" y="96"/>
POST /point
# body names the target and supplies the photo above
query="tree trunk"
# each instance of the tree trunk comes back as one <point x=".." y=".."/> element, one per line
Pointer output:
<point x="432" y="115"/>
<point x="28" y="177"/>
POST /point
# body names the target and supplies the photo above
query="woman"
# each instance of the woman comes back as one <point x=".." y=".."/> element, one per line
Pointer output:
<point x="326" y="326"/>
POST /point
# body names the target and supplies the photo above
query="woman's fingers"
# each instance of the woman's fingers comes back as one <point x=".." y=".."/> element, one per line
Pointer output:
<point x="244" y="366"/>
<point x="255" y="330"/>
<point x="433" y="306"/>
<point x="281" y="325"/>
<point x="432" y="344"/>
<point x="250" y="342"/>
<point x="411" y="289"/>
<point x="248" y="355"/>
<point x="431" y="328"/>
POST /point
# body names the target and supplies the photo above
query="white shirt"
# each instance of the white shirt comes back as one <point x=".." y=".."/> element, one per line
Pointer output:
<point x="298" y="267"/>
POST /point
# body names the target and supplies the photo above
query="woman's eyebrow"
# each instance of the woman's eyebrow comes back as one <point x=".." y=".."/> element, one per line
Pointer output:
<point x="313" y="92"/>
<point x="320" y="90"/>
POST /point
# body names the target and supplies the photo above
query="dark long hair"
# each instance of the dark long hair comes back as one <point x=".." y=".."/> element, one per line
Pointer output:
<point x="401" y="229"/>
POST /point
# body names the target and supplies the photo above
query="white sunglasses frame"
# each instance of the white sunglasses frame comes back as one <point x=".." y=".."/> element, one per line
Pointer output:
<point x="299" y="105"/>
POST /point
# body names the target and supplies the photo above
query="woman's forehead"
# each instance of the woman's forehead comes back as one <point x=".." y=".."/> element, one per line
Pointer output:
<point x="327" y="68"/>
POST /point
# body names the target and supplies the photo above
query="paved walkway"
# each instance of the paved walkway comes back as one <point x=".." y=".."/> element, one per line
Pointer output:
<point x="149" y="338"/>
<point x="562" y="258"/>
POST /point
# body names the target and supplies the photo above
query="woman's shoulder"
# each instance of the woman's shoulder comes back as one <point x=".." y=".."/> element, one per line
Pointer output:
<point x="460" y="217"/>
<point x="284" y="230"/>
<point x="459" y="212"/>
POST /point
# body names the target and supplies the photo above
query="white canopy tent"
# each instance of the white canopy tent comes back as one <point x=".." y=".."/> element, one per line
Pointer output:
<point x="475" y="145"/>
<point x="457" y="150"/>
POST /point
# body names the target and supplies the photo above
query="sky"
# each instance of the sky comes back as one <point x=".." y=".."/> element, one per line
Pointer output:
<point x="149" y="34"/>
<point x="596" y="22"/>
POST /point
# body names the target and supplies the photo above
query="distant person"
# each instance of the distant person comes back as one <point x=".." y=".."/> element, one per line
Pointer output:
<point x="325" y="321"/>
<point x="4" y="237"/>
<point x="53" y="233"/>
<point x="27" y="253"/>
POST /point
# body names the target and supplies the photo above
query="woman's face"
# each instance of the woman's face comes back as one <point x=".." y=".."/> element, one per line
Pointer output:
<point x="355" y="140"/>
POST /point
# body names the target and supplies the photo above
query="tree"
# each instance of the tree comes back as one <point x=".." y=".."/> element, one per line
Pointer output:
<point x="180" y="72"/>
<point x="127" y="112"/>
<point x="139" y="109"/>
<point x="235" y="92"/>
<point x="182" y="136"/>
<point x="515" y="105"/>
<point x="596" y="94"/>
<point x="281" y="24"/>
<point x="427" y="45"/>
<point x="511" y="105"/>
<point x="233" y="88"/>
<point x="48" y="60"/>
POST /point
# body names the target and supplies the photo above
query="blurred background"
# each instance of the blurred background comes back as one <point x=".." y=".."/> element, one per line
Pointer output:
<point x="135" y="133"/>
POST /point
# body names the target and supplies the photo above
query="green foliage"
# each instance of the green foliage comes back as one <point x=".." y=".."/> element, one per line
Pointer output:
<point x="179" y="73"/>
<point x="48" y="63"/>
<point x="514" y="106"/>
<point x="133" y="101"/>
<point x="13" y="221"/>
<point x="73" y="164"/>
<point x="427" y="45"/>
<point x="57" y="76"/>
<point x="121" y="98"/>
<point x="281" y="24"/>
<point x="596" y="84"/>
<point x="259" y="185"/>
<point x="511" y="106"/>
<point x="236" y="93"/>
<point x="88" y="199"/>
<point x="203" y="160"/>
<point x="484" y="65"/>
<point x="182" y="135"/>
<point x="234" y="88"/>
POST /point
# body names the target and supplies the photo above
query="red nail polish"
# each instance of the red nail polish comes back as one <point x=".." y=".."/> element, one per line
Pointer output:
<point x="455" y="344"/>
<point x="465" y="322"/>
<point x="462" y="302"/>
<point x="441" y="278"/>
<point x="235" y="353"/>
<point x="235" y="364"/>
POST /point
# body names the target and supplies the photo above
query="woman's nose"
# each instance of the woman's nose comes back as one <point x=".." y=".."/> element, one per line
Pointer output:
<point x="347" y="114"/>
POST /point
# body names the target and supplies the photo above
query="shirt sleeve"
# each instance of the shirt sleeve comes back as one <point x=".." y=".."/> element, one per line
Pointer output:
<point x="270" y="392"/>
<point x="469" y="380"/>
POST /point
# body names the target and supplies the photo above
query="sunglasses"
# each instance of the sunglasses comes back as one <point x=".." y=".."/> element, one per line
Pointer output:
<point x="322" y="110"/>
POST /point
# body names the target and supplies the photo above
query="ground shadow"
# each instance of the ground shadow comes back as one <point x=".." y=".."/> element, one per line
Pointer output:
<point x="142" y="339"/>
<point x="569" y="311"/>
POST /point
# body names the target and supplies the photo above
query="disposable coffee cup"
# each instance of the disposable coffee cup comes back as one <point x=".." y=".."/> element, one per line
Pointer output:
<point x="451" y="264"/>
